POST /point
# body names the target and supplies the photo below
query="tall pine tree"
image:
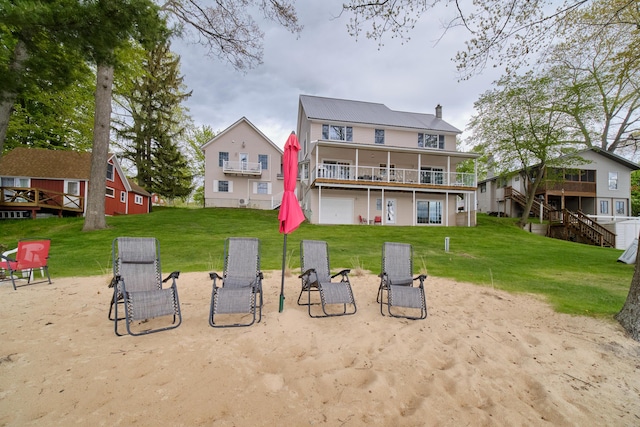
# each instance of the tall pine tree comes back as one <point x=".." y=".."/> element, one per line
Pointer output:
<point x="149" y="135"/>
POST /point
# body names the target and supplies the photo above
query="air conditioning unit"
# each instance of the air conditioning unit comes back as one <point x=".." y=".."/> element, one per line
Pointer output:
<point x="243" y="202"/>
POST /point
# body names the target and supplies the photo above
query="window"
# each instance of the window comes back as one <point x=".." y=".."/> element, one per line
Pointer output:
<point x="571" y="176"/>
<point x="620" y="207"/>
<point x="109" y="171"/>
<point x="483" y="187"/>
<point x="137" y="199"/>
<point x="428" y="212"/>
<point x="73" y="187"/>
<point x="604" y="206"/>
<point x="337" y="133"/>
<point x="588" y="176"/>
<point x="263" y="159"/>
<point x="613" y="180"/>
<point x="379" y="136"/>
<point x="262" y="188"/>
<point x="428" y="140"/>
<point x="378" y="204"/>
<point x="123" y="196"/>
<point x="110" y="192"/>
<point x="14" y="182"/>
<point x="223" y="156"/>
<point x="429" y="175"/>
<point x="222" y="186"/>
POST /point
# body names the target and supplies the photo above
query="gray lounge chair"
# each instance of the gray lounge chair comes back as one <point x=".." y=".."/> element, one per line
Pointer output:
<point x="316" y="276"/>
<point x="238" y="289"/>
<point x="137" y="286"/>
<point x="397" y="281"/>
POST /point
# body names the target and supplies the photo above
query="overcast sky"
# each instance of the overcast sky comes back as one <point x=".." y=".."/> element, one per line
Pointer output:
<point x="325" y="61"/>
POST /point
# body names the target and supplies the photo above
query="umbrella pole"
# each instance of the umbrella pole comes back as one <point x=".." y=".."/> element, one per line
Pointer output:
<point x="284" y="259"/>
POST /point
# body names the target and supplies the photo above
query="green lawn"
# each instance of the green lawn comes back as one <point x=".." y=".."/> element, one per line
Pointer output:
<point x="575" y="278"/>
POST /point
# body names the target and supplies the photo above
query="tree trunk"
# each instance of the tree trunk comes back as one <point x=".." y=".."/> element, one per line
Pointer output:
<point x="94" y="216"/>
<point x="8" y="98"/>
<point x="531" y="195"/>
<point x="629" y="316"/>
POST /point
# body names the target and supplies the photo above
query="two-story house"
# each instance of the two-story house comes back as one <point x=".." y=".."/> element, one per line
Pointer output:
<point x="600" y="186"/>
<point x="589" y="202"/>
<point x="36" y="181"/>
<point x="361" y="162"/>
<point x="243" y="168"/>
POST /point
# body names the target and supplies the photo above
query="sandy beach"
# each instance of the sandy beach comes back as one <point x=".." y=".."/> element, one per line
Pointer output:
<point x="482" y="358"/>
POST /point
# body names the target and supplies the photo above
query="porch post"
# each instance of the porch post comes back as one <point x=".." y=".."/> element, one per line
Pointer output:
<point x="320" y="204"/>
<point x="369" y="204"/>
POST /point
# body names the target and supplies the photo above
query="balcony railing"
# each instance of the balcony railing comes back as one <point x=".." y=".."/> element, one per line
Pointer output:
<point x="246" y="168"/>
<point x="378" y="175"/>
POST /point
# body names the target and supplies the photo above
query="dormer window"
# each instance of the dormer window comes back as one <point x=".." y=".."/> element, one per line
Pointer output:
<point x="429" y="140"/>
<point x="337" y="133"/>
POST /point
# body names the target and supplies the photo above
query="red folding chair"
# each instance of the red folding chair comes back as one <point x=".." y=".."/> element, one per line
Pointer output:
<point x="31" y="255"/>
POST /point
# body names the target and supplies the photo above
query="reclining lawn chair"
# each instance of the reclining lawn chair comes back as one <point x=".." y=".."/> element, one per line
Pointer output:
<point x="236" y="291"/>
<point x="316" y="276"/>
<point x="31" y="254"/>
<point x="397" y="282"/>
<point x="137" y="286"/>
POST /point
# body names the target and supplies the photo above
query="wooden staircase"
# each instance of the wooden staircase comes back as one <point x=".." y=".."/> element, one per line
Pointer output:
<point x="577" y="225"/>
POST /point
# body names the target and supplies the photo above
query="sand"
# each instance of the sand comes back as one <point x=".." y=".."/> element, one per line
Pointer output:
<point x="482" y="357"/>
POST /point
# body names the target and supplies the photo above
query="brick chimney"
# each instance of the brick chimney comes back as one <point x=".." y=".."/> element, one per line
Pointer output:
<point x="438" y="111"/>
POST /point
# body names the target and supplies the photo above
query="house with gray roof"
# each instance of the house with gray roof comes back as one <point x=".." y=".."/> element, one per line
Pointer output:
<point x="362" y="162"/>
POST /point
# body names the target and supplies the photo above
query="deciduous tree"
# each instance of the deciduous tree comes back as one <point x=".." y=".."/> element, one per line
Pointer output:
<point x="504" y="33"/>
<point x="517" y="125"/>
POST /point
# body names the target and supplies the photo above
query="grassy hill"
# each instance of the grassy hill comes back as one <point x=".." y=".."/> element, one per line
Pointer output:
<point x="575" y="278"/>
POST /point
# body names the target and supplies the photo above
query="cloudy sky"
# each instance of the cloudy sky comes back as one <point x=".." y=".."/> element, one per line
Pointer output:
<point x="325" y="61"/>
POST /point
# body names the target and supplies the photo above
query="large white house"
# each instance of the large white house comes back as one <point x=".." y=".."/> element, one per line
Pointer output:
<point x="361" y="162"/>
<point x="243" y="168"/>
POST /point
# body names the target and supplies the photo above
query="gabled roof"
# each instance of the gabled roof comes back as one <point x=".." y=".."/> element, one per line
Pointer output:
<point x="369" y="113"/>
<point x="611" y="156"/>
<point x="42" y="163"/>
<point x="242" y="119"/>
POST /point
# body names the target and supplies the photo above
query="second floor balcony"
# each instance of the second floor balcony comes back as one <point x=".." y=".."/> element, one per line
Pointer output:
<point x="372" y="175"/>
<point x="242" y="168"/>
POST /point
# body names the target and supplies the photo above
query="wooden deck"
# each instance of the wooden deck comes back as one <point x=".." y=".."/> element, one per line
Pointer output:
<point x="38" y="200"/>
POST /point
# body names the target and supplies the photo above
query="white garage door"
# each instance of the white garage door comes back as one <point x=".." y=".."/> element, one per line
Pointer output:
<point x="336" y="211"/>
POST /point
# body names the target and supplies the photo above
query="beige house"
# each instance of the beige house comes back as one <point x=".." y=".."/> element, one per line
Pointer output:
<point x="362" y="162"/>
<point x="243" y="168"/>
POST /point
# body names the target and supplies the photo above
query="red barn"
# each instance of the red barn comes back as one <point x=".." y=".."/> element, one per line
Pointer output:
<point x="38" y="181"/>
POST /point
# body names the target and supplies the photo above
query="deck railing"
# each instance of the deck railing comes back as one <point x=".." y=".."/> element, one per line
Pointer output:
<point x="379" y="175"/>
<point x="25" y="197"/>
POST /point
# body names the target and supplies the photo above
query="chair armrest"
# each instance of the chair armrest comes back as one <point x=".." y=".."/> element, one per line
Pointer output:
<point x="306" y="273"/>
<point x="215" y="277"/>
<point x="114" y="281"/>
<point x="174" y="275"/>
<point x="342" y="273"/>
<point x="421" y="277"/>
